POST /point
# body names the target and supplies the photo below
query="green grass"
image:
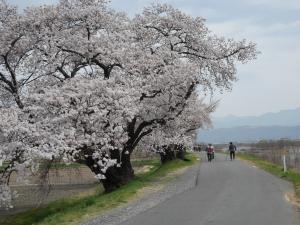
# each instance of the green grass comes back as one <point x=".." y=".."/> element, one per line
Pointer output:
<point x="291" y="175"/>
<point x="80" y="208"/>
<point x="4" y="165"/>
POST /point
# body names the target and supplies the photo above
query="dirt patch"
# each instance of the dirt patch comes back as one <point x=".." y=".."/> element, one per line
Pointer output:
<point x="178" y="172"/>
<point x="292" y="198"/>
<point x="146" y="191"/>
<point x="143" y="169"/>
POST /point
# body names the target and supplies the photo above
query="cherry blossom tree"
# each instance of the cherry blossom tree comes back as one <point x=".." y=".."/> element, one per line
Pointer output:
<point x="169" y="141"/>
<point x="179" y="54"/>
<point x="108" y="83"/>
<point x="19" y="63"/>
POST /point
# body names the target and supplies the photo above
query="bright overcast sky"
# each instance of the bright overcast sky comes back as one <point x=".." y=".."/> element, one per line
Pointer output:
<point x="269" y="84"/>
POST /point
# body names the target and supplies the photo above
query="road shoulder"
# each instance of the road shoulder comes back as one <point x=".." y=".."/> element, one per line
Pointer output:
<point x="149" y="197"/>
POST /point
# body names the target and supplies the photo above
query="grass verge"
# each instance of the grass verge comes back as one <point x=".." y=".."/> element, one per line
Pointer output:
<point x="73" y="210"/>
<point x="291" y="175"/>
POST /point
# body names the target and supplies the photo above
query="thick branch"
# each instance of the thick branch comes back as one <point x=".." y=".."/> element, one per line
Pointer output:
<point x="11" y="71"/>
<point x="137" y="140"/>
<point x="155" y="93"/>
<point x="63" y="72"/>
<point x="106" y="68"/>
<point x="4" y="79"/>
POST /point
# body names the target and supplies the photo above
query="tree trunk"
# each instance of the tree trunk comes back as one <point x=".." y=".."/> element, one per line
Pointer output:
<point x="116" y="176"/>
<point x="113" y="179"/>
<point x="126" y="168"/>
<point x="112" y="174"/>
<point x="167" y="155"/>
<point x="180" y="153"/>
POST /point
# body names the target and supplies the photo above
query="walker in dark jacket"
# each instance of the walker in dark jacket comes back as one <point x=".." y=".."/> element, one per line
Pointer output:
<point x="232" y="149"/>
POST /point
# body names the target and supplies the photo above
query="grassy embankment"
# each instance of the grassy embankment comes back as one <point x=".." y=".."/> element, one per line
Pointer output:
<point x="72" y="210"/>
<point x="291" y="175"/>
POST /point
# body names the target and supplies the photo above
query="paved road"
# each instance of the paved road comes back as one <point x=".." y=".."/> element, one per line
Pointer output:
<point x="227" y="193"/>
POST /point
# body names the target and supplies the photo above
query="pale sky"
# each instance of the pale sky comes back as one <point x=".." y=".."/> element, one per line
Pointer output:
<point x="268" y="84"/>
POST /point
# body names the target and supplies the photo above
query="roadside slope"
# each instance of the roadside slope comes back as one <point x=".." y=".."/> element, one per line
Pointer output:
<point x="73" y="210"/>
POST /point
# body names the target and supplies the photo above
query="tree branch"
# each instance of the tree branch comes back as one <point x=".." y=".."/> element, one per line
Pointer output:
<point x="155" y="93"/>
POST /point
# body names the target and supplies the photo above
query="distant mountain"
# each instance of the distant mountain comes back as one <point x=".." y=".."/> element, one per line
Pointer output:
<point x="248" y="134"/>
<point x="283" y="124"/>
<point x="282" y="118"/>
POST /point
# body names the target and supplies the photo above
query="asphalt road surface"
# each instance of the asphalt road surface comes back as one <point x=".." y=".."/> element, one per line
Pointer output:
<point x="227" y="193"/>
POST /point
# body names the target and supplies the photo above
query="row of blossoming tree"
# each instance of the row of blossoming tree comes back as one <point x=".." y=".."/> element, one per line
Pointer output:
<point x="80" y="82"/>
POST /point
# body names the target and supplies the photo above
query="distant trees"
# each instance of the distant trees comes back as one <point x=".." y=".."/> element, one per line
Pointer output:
<point x="276" y="144"/>
<point x="90" y="84"/>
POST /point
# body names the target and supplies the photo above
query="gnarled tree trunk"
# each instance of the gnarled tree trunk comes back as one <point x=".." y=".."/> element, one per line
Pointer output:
<point x="167" y="155"/>
<point x="118" y="176"/>
<point x="127" y="171"/>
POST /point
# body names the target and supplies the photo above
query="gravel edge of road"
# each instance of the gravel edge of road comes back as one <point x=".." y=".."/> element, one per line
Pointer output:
<point x="184" y="182"/>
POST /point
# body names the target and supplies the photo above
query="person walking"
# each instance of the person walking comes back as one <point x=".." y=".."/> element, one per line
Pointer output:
<point x="210" y="152"/>
<point x="232" y="150"/>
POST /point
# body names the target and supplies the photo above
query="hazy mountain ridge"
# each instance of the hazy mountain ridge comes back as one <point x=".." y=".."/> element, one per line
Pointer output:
<point x="283" y="124"/>
<point x="248" y="134"/>
<point x="282" y="118"/>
